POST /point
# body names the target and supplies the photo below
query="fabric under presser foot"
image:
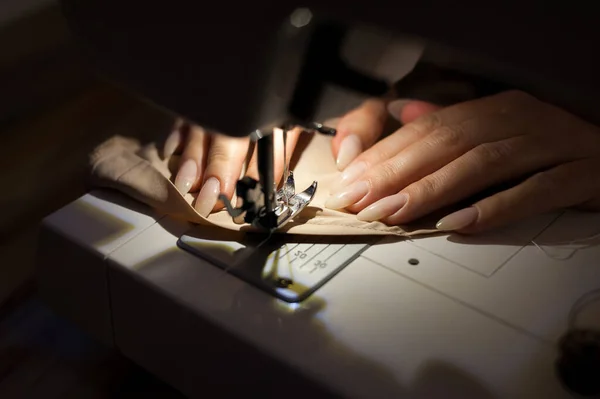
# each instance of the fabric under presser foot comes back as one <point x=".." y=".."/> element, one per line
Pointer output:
<point x="141" y="172"/>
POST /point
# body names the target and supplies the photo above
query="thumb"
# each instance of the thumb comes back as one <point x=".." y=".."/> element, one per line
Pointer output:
<point x="406" y="111"/>
<point x="358" y="130"/>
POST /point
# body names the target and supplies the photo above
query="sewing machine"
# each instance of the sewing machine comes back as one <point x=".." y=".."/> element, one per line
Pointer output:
<point x="433" y="317"/>
<point x="273" y="63"/>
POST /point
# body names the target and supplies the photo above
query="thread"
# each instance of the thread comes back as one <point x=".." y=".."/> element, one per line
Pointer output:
<point x="585" y="241"/>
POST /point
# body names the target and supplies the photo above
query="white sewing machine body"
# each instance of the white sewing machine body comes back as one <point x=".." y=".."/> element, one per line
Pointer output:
<point x="432" y="317"/>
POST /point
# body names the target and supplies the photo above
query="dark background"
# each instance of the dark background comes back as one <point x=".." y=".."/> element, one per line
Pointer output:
<point x="53" y="112"/>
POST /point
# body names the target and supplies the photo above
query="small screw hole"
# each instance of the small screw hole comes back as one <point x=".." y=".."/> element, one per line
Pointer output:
<point x="283" y="282"/>
<point x="413" y="261"/>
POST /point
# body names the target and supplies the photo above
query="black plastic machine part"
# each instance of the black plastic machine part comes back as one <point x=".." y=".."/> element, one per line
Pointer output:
<point x="324" y="65"/>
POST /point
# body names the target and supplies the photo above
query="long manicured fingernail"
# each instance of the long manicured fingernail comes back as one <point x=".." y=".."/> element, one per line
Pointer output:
<point x="351" y="195"/>
<point x="383" y="208"/>
<point x="458" y="220"/>
<point x="349" y="175"/>
<point x="186" y="176"/>
<point x="395" y="108"/>
<point x="208" y="196"/>
<point x="172" y="143"/>
<point x="350" y="148"/>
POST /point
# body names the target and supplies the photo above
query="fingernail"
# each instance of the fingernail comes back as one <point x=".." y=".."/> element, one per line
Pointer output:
<point x="383" y="208"/>
<point x="349" y="175"/>
<point x="350" y="148"/>
<point x="458" y="220"/>
<point x="186" y="176"/>
<point x="349" y="196"/>
<point x="172" y="143"/>
<point x="208" y="196"/>
<point x="395" y="108"/>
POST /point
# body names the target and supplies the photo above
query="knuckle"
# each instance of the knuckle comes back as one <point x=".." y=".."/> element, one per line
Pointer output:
<point x="424" y="188"/>
<point x="219" y="155"/>
<point x="375" y="155"/>
<point x="430" y="121"/>
<point x="414" y="128"/>
<point x="493" y="154"/>
<point x="447" y="136"/>
<point x="424" y="124"/>
<point x="385" y="174"/>
<point x="388" y="172"/>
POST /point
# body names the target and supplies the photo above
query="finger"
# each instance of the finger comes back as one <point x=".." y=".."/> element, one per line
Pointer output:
<point x="358" y="130"/>
<point x="505" y="103"/>
<point x="192" y="160"/>
<point x="486" y="166"/>
<point x="252" y="169"/>
<point x="427" y="156"/>
<point x="560" y="187"/>
<point x="175" y="140"/>
<point x="386" y="149"/>
<point x="447" y="120"/>
<point x="291" y="142"/>
<point x="406" y="111"/>
<point x="224" y="164"/>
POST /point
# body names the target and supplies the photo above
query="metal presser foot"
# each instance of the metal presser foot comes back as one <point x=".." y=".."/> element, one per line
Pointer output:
<point x="287" y="204"/>
<point x="263" y="206"/>
<point x="291" y="202"/>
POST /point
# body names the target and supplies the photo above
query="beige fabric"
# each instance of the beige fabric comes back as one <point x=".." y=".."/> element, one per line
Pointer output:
<point x="141" y="172"/>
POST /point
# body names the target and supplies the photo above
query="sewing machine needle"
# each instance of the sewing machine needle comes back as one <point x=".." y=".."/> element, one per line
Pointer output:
<point x="285" y="164"/>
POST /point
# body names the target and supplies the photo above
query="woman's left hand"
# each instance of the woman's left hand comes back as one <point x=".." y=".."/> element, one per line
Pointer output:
<point x="448" y="155"/>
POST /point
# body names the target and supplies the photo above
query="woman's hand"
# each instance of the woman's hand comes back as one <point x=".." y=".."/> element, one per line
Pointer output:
<point x="360" y="128"/>
<point x="212" y="164"/>
<point x="442" y="156"/>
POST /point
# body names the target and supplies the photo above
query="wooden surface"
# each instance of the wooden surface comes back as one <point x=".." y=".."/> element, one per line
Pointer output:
<point x="53" y="112"/>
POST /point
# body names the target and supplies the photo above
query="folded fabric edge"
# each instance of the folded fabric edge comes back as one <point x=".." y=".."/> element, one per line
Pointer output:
<point x="103" y="175"/>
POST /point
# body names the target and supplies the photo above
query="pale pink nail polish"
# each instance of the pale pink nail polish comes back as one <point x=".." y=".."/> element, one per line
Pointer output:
<point x="350" y="148"/>
<point x="186" y="176"/>
<point x="172" y="143"/>
<point x="458" y="220"/>
<point x="349" y="175"/>
<point x="383" y="208"/>
<point x="395" y="108"/>
<point x="208" y="196"/>
<point x="351" y="195"/>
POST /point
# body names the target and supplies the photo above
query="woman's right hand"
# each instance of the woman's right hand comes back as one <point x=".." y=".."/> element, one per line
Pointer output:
<point x="364" y="125"/>
<point x="211" y="164"/>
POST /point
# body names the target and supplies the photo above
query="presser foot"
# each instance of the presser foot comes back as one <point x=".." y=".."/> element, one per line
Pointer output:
<point x="288" y="203"/>
<point x="265" y="207"/>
